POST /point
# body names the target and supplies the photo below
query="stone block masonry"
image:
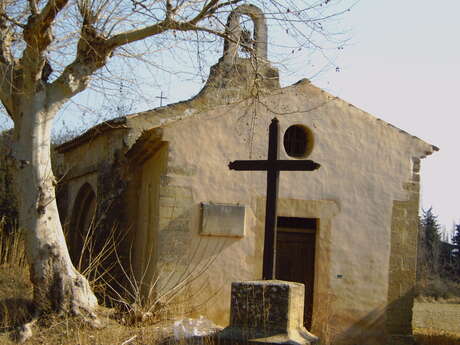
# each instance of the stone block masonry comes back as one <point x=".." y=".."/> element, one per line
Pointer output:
<point x="403" y="259"/>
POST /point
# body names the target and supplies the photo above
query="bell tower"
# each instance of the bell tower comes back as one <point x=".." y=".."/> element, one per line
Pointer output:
<point x="236" y="77"/>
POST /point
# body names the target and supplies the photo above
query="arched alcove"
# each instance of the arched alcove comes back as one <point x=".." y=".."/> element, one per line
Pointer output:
<point x="83" y="222"/>
<point x="252" y="36"/>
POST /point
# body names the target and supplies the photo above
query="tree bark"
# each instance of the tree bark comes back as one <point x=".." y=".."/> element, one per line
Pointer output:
<point x="57" y="284"/>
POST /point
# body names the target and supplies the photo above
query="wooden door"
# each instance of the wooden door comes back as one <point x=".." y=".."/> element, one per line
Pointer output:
<point x="295" y="257"/>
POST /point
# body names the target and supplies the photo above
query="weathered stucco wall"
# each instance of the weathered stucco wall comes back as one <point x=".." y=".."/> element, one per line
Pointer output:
<point x="145" y="251"/>
<point x="98" y="162"/>
<point x="365" y="166"/>
<point x="85" y="163"/>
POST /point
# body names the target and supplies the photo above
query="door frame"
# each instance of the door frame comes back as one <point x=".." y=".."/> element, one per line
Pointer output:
<point x="324" y="211"/>
<point x="308" y="227"/>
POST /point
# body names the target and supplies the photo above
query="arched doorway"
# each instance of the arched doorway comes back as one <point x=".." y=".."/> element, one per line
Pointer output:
<point x="82" y="236"/>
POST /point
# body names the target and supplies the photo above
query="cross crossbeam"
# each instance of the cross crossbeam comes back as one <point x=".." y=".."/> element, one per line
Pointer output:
<point x="279" y="165"/>
<point x="272" y="166"/>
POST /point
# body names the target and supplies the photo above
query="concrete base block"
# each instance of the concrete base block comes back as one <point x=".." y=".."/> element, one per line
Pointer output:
<point x="267" y="312"/>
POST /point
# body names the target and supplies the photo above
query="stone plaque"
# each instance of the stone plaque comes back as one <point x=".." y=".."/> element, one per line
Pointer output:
<point x="222" y="220"/>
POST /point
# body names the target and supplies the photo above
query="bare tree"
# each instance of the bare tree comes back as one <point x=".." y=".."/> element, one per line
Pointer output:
<point x="51" y="50"/>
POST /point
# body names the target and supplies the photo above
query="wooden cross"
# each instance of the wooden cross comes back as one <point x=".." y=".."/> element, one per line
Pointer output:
<point x="272" y="166"/>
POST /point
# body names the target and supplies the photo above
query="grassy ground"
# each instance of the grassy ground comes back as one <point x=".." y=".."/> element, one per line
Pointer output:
<point x="15" y="297"/>
<point x="436" y="295"/>
<point x="15" y="303"/>
<point x="426" y="336"/>
<point x="118" y="328"/>
<point x="16" y="306"/>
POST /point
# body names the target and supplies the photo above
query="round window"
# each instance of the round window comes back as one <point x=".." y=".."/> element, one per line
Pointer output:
<point x="298" y="141"/>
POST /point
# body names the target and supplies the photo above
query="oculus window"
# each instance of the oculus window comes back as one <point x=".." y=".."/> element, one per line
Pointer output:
<point x="298" y="141"/>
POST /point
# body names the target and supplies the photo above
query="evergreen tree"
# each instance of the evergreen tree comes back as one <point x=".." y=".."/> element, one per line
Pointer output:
<point x="431" y="240"/>
<point x="456" y="250"/>
<point x="456" y="237"/>
<point x="431" y="227"/>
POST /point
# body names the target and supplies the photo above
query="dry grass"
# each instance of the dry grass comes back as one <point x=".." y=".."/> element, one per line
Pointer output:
<point x="127" y="327"/>
<point x="15" y="303"/>
<point x="429" y="336"/>
<point x="15" y="287"/>
<point x="144" y="296"/>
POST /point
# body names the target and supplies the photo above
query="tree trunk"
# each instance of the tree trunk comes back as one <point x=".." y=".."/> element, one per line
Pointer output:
<point x="58" y="287"/>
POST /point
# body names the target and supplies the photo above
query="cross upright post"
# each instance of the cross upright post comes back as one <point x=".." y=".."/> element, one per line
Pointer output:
<point x="269" y="269"/>
<point x="272" y="166"/>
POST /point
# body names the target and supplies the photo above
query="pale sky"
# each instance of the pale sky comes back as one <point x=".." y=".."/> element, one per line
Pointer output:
<point x="403" y="66"/>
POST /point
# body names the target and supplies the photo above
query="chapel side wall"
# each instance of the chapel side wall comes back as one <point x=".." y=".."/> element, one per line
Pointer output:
<point x="403" y="260"/>
<point x="84" y="163"/>
<point x="101" y="163"/>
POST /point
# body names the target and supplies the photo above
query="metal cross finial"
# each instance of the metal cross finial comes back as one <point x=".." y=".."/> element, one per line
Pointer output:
<point x="161" y="98"/>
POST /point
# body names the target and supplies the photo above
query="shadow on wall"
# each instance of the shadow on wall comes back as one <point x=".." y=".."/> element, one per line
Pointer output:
<point x="386" y="325"/>
<point x="181" y="278"/>
<point x="176" y="239"/>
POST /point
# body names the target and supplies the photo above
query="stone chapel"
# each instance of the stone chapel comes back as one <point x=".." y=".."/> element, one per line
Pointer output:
<point x="189" y="226"/>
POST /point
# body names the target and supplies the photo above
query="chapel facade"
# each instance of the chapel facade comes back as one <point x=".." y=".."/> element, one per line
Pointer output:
<point x="189" y="225"/>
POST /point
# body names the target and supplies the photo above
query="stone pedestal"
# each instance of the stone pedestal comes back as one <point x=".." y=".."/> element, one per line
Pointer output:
<point x="266" y="312"/>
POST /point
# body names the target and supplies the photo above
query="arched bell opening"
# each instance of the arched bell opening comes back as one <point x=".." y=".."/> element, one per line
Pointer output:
<point x="247" y="37"/>
<point x="247" y="34"/>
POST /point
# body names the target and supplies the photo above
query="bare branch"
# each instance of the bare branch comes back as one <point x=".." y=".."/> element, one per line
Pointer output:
<point x="40" y="24"/>
<point x="169" y="9"/>
<point x="38" y="36"/>
<point x="6" y="65"/>
<point x="5" y="47"/>
<point x="191" y="27"/>
<point x="52" y="8"/>
<point x="75" y="77"/>
<point x="6" y="39"/>
<point x="94" y="50"/>
<point x="207" y="10"/>
<point x="5" y="96"/>
<point x="169" y="24"/>
<point x="12" y="20"/>
<point x="139" y="34"/>
<point x="33" y="7"/>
